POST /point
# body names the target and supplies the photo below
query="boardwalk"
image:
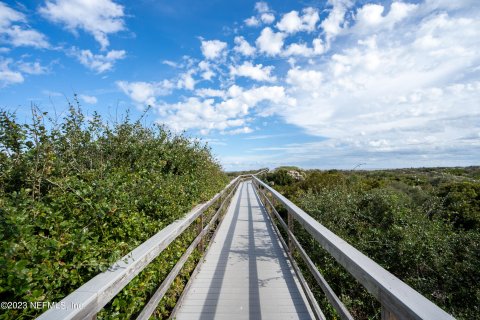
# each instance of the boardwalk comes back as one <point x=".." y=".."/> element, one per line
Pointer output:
<point x="246" y="273"/>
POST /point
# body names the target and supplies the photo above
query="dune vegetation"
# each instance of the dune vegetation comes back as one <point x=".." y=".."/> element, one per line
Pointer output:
<point x="78" y="193"/>
<point x="423" y="225"/>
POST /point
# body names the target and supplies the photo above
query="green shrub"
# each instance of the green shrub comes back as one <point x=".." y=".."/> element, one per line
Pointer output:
<point x="420" y="224"/>
<point x="79" y="194"/>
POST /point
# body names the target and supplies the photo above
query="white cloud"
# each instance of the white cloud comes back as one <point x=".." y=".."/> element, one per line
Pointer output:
<point x="298" y="49"/>
<point x="432" y="5"/>
<point x="262" y="7"/>
<point x="206" y="69"/>
<point x="334" y="23"/>
<point x="292" y="22"/>
<point x="145" y="93"/>
<point x="242" y="130"/>
<point x="414" y="94"/>
<point x="8" y="16"/>
<point x="401" y="81"/>
<point x="267" y="18"/>
<point x="32" y="67"/>
<point x="256" y="72"/>
<point x="170" y="63"/>
<point x="231" y="113"/>
<point x="7" y="75"/>
<point x="209" y="92"/>
<point x="370" y="16"/>
<point x="15" y="32"/>
<point x="186" y="81"/>
<point x="213" y="49"/>
<point x="99" y="18"/>
<point x="12" y="72"/>
<point x="270" y="42"/>
<point x="301" y="49"/>
<point x="304" y="80"/>
<point x="88" y="99"/>
<point x="242" y="46"/>
<point x="264" y="15"/>
<point x="98" y="62"/>
<point x="252" y="22"/>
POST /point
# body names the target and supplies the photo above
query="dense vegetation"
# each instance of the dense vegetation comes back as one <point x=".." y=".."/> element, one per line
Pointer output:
<point x="78" y="194"/>
<point x="423" y="225"/>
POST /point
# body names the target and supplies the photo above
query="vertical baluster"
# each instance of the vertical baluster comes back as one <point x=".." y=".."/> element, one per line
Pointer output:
<point x="199" y="230"/>
<point x="290" y="229"/>
<point x="387" y="314"/>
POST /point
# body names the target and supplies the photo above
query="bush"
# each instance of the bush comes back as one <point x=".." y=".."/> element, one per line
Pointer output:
<point x="421" y="225"/>
<point x="77" y="195"/>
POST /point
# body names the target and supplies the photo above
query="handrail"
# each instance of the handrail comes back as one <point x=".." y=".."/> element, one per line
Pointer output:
<point x="91" y="297"/>
<point x="398" y="300"/>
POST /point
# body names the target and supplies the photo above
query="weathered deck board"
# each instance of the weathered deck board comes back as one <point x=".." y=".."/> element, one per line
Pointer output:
<point x="245" y="274"/>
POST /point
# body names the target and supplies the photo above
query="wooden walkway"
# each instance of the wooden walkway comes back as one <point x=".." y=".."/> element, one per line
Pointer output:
<point x="246" y="273"/>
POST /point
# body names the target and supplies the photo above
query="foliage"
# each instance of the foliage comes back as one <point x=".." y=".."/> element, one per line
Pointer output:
<point x="423" y="225"/>
<point x="78" y="194"/>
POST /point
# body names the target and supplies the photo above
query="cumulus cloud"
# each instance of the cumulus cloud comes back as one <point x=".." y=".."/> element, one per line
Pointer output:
<point x="334" y="23"/>
<point x="213" y="49"/>
<point x="15" y="31"/>
<point x="186" y="81"/>
<point x="304" y="80"/>
<point x="242" y="46"/>
<point x="230" y="113"/>
<point x="399" y="80"/>
<point x="256" y="72"/>
<point x="99" y="18"/>
<point x="7" y="75"/>
<point x="270" y="42"/>
<point x="267" y="18"/>
<point x="98" y="62"/>
<point x="262" y="7"/>
<point x="292" y="22"/>
<point x="302" y="49"/>
<point x="12" y="72"/>
<point x="206" y="70"/>
<point x="145" y="93"/>
<point x="384" y="95"/>
<point x="371" y="16"/>
<point x="264" y="15"/>
<point x="252" y="21"/>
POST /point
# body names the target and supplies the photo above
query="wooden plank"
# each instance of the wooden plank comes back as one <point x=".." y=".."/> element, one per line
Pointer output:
<point x="397" y="297"/>
<point x="195" y="272"/>
<point x="289" y="250"/>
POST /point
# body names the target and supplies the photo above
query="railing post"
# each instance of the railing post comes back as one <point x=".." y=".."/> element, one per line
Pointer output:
<point x="199" y="230"/>
<point x="290" y="229"/>
<point x="387" y="314"/>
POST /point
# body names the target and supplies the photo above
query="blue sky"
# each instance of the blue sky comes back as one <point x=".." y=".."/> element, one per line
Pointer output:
<point x="318" y="84"/>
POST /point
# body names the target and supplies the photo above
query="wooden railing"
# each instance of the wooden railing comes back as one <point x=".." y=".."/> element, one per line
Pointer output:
<point x="90" y="298"/>
<point x="398" y="300"/>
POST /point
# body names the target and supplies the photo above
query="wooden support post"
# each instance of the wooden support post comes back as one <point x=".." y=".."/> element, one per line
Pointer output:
<point x="199" y="230"/>
<point x="387" y="314"/>
<point x="290" y="228"/>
